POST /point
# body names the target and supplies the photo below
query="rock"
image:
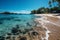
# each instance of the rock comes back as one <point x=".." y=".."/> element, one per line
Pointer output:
<point x="1" y="23"/>
<point x="23" y="38"/>
<point x="28" y="24"/>
<point x="14" y="30"/>
<point x="34" y="33"/>
<point x="2" y="38"/>
<point x="19" y="31"/>
<point x="8" y="37"/>
<point x="9" y="33"/>
<point x="26" y="30"/>
<point x="13" y="38"/>
<point x="17" y="26"/>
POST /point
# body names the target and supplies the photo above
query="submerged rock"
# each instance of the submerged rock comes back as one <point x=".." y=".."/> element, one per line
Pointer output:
<point x="26" y="30"/>
<point x="9" y="33"/>
<point x="23" y="38"/>
<point x="8" y="37"/>
<point x="1" y="22"/>
<point x="14" y="30"/>
<point x="19" y="31"/>
<point x="17" y="26"/>
<point x="28" y="24"/>
<point x="2" y="38"/>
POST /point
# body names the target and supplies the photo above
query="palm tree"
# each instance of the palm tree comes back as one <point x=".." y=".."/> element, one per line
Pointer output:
<point x="58" y="3"/>
<point x="50" y="4"/>
<point x="53" y="2"/>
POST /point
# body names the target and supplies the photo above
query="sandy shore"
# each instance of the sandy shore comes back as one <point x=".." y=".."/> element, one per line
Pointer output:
<point x="52" y="23"/>
<point x="47" y="28"/>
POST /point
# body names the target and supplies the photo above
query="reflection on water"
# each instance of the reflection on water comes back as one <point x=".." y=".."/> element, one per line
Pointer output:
<point x="7" y="22"/>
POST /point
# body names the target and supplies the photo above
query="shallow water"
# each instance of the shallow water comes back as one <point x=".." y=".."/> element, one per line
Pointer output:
<point x="7" y="22"/>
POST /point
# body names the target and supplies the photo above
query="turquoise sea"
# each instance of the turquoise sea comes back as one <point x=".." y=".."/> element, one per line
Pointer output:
<point x="8" y="21"/>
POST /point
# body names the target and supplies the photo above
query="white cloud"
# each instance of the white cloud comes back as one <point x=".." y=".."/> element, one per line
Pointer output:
<point x="25" y="11"/>
<point x="22" y="11"/>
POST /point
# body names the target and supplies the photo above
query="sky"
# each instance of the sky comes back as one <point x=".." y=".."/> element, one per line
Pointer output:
<point x="23" y="6"/>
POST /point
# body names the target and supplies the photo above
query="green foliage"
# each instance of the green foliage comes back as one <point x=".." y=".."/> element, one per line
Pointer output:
<point x="40" y="10"/>
<point x="52" y="1"/>
<point x="51" y="9"/>
<point x="50" y="4"/>
<point x="55" y="8"/>
<point x="34" y="12"/>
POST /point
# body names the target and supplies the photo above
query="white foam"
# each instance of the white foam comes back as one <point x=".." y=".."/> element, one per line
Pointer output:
<point x="47" y="31"/>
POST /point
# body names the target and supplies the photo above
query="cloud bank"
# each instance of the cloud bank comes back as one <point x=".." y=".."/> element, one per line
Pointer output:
<point x="23" y="11"/>
<point x="19" y="11"/>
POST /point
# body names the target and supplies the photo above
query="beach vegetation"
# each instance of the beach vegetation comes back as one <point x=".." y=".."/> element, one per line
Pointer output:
<point x="51" y="9"/>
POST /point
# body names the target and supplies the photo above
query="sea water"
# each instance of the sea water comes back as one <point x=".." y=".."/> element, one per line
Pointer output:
<point x="8" y="21"/>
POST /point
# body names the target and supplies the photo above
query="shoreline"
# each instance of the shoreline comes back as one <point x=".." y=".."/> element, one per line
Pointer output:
<point x="53" y="24"/>
<point x="47" y="28"/>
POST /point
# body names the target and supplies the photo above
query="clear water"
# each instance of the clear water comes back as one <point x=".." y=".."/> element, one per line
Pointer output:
<point x="9" y="21"/>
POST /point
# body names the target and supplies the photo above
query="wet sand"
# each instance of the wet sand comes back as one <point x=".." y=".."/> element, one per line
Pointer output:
<point x="53" y="25"/>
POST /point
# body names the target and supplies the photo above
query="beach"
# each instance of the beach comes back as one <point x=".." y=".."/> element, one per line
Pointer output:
<point x="46" y="27"/>
<point x="53" y="25"/>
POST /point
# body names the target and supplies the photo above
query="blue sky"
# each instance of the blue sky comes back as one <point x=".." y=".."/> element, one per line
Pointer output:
<point x="21" y="5"/>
